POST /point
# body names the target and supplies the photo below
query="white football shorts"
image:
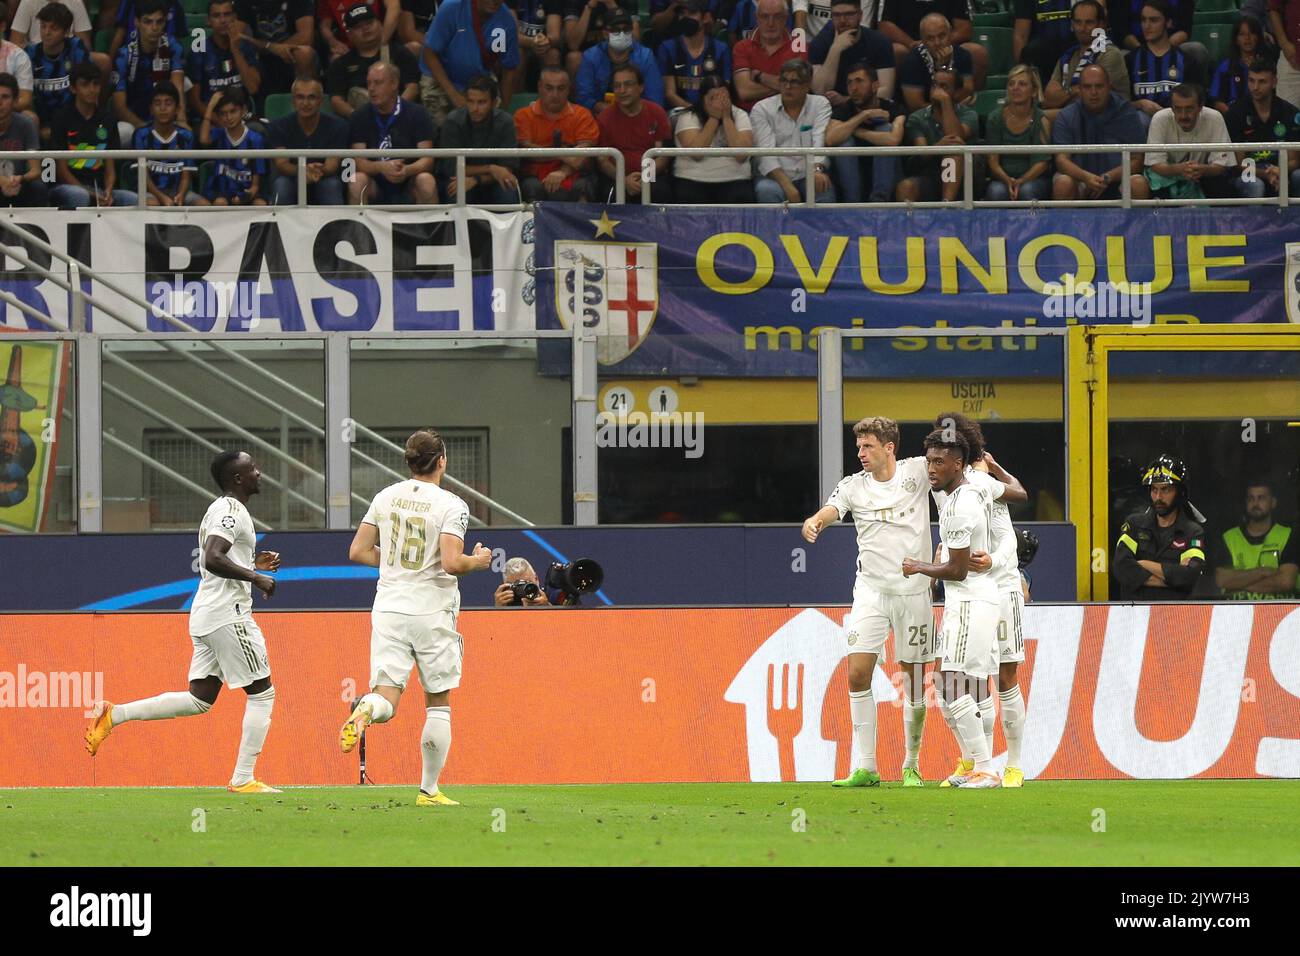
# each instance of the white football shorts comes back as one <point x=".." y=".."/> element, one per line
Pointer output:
<point x="874" y="615"/>
<point x="1011" y="635"/>
<point x="236" y="653"/>
<point x="969" y="638"/>
<point x="428" y="642"/>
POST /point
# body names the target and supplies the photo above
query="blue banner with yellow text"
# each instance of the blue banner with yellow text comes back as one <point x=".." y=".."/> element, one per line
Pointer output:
<point x="743" y="291"/>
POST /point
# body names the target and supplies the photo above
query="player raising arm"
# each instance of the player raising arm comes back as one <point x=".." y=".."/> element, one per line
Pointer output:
<point x="970" y="617"/>
<point x="228" y="644"/>
<point x="414" y="533"/>
<point x="892" y="517"/>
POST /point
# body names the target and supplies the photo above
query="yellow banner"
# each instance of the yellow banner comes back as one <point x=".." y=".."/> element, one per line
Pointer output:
<point x="31" y="401"/>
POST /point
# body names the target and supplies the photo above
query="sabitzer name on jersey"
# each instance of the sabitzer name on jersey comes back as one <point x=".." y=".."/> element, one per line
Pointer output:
<point x="75" y="908"/>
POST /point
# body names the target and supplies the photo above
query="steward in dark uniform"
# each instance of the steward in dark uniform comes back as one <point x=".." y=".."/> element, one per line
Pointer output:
<point x="1167" y="536"/>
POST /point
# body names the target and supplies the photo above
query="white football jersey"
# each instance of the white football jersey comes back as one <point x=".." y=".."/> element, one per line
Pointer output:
<point x="410" y="516"/>
<point x="893" y="522"/>
<point x="222" y="601"/>
<point x="964" y="523"/>
<point x="1006" y="565"/>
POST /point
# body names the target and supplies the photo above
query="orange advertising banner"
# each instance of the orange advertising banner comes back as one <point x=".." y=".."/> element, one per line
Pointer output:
<point x="612" y="695"/>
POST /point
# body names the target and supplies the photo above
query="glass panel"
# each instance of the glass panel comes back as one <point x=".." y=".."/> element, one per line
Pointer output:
<point x="1225" y="416"/>
<point x="170" y="407"/>
<point x="504" y="409"/>
<point x="38" y="436"/>
<point x="729" y="449"/>
<point x="1012" y="385"/>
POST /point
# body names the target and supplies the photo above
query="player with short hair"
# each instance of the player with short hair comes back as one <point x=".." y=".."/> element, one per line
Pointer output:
<point x="228" y="644"/>
<point x="414" y="533"/>
<point x="892" y="517"/>
<point x="970" y="617"/>
<point x="1002" y="488"/>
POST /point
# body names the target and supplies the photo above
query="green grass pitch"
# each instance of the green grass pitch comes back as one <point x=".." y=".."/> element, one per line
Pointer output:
<point x="1222" y="823"/>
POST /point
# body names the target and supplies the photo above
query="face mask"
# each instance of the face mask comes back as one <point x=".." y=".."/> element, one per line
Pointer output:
<point x="618" y="42"/>
<point x="689" y="27"/>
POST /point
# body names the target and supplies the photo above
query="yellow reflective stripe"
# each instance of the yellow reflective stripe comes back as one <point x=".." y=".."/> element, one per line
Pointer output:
<point x="1128" y="543"/>
<point x="1191" y="553"/>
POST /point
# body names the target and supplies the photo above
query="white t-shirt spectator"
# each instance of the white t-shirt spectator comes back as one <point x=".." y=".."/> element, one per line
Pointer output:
<point x="13" y="59"/>
<point x="24" y="19"/>
<point x="712" y="169"/>
<point x="1209" y="128"/>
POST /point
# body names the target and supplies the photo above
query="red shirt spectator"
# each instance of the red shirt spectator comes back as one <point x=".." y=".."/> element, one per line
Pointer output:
<point x="756" y="60"/>
<point x="633" y="135"/>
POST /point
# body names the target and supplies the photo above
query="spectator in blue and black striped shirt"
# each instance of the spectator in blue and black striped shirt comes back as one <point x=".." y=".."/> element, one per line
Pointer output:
<point x="169" y="179"/>
<point x="1228" y="84"/>
<point x="53" y="57"/>
<point x="1157" y="65"/>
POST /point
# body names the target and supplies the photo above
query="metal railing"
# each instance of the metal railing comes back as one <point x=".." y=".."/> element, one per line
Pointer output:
<point x="460" y="155"/>
<point x="90" y="453"/>
<point x="968" y="153"/>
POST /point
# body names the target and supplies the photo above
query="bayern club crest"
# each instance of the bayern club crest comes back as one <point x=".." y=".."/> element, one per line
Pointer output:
<point x="620" y="292"/>
<point x="910" y="485"/>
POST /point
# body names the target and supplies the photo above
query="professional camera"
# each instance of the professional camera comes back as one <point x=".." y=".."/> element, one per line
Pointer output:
<point x="524" y="591"/>
<point x="574" y="579"/>
<point x="1026" y="546"/>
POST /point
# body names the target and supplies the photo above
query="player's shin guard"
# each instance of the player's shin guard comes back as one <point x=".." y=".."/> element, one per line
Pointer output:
<point x="435" y="742"/>
<point x="380" y="709"/>
<point x="862" y="711"/>
<point x="257" y="721"/>
<point x="970" y="728"/>
<point x="1013" y="723"/>
<point x="945" y="708"/>
<point x="913" y="727"/>
<point x="178" y="704"/>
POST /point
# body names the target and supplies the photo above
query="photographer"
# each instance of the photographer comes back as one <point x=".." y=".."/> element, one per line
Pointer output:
<point x="518" y="575"/>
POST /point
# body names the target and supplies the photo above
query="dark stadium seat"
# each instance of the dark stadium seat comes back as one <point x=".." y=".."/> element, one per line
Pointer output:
<point x="196" y="6"/>
<point x="997" y="40"/>
<point x="1000" y="19"/>
<point x="278" y="104"/>
<point x="1217" y="38"/>
<point x="997" y="81"/>
<point x="102" y="39"/>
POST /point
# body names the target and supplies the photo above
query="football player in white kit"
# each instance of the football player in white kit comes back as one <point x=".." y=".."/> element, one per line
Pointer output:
<point x="888" y="502"/>
<point x="414" y="533"/>
<point x="228" y="645"/>
<point x="1002" y="487"/>
<point x="970" y="617"/>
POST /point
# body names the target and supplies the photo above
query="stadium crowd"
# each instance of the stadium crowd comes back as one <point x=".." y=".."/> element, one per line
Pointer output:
<point x="708" y="74"/>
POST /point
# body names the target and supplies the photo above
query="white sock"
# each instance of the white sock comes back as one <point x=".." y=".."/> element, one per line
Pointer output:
<point x="946" y="709"/>
<point x="380" y="709"/>
<point x="989" y="714"/>
<point x="913" y="725"/>
<point x="257" y="721"/>
<point x="1013" y="723"/>
<point x="435" y="742"/>
<point x="862" y="711"/>
<point x="179" y="703"/>
<point x="966" y="715"/>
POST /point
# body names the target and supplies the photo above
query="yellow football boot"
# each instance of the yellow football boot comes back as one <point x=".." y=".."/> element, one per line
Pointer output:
<point x="101" y="728"/>
<point x="964" y="769"/>
<point x="438" y="799"/>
